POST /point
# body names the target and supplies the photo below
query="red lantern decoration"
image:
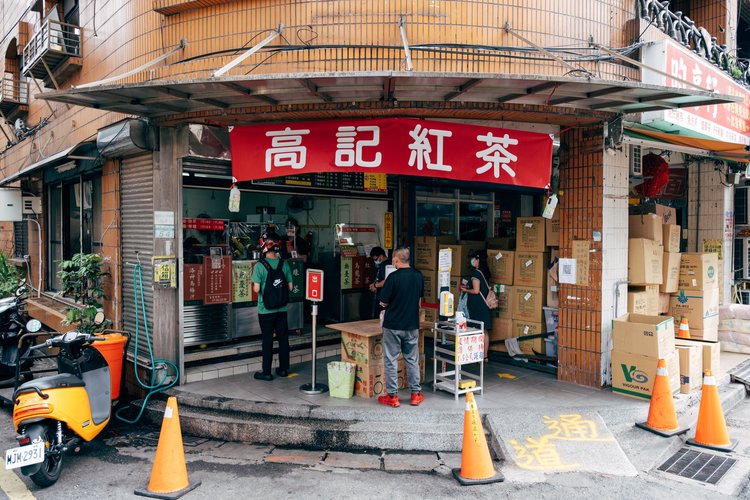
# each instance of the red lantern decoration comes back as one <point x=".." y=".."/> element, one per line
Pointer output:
<point x="655" y="175"/>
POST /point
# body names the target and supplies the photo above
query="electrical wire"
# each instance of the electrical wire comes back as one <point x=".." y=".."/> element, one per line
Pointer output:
<point x="153" y="387"/>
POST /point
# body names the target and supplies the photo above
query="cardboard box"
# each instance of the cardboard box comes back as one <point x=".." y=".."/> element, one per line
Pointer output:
<point x="501" y="264"/>
<point x="553" y="285"/>
<point x="646" y="335"/>
<point x="460" y="256"/>
<point x="522" y="328"/>
<point x="644" y="262"/>
<point x="505" y="300"/>
<point x="699" y="271"/>
<point x="430" y="314"/>
<point x="426" y="250"/>
<point x="700" y="308"/>
<point x="710" y="334"/>
<point x="552" y="232"/>
<point x="668" y="214"/>
<point x="648" y="226"/>
<point x="531" y="234"/>
<point x="528" y="303"/>
<point x="361" y="349"/>
<point x="633" y="374"/>
<point x="691" y="364"/>
<point x="711" y="353"/>
<point x="531" y="269"/>
<point x="643" y="300"/>
<point x="502" y="328"/>
<point x="670" y="272"/>
<point x="663" y="304"/>
<point x="430" y="292"/>
<point x="671" y="237"/>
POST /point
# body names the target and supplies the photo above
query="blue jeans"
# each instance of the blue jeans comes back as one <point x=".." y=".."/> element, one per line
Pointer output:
<point x="394" y="343"/>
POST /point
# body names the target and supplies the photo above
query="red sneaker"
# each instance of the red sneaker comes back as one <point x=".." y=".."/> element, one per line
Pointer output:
<point x="388" y="400"/>
<point x="416" y="398"/>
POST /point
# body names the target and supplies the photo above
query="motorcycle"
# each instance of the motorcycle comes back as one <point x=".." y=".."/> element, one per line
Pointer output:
<point x="57" y="413"/>
<point x="12" y="327"/>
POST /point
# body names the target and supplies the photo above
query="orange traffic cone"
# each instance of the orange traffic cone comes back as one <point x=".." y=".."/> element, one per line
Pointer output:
<point x="684" y="332"/>
<point x="169" y="477"/>
<point x="476" y="463"/>
<point x="662" y="418"/>
<point x="711" y="430"/>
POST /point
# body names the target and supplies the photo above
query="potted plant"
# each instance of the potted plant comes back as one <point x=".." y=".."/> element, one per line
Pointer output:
<point x="9" y="277"/>
<point x="82" y="279"/>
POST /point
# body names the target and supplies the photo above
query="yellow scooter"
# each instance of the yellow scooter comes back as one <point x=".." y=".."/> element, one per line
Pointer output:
<point x="54" y="414"/>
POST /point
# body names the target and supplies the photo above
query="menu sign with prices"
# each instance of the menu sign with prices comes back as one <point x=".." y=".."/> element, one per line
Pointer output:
<point x="217" y="273"/>
<point x="204" y="224"/>
<point x="194" y="288"/>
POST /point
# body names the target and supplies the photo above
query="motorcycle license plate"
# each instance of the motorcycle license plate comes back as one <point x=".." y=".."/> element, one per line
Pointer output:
<point x="24" y="455"/>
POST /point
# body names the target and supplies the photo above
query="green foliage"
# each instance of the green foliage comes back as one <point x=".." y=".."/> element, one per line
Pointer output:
<point x="82" y="279"/>
<point x="9" y="277"/>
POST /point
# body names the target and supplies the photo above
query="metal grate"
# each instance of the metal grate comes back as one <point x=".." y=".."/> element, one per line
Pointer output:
<point x="21" y="235"/>
<point x="697" y="465"/>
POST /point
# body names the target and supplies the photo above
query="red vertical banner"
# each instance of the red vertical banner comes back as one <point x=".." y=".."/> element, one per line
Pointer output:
<point x="193" y="288"/>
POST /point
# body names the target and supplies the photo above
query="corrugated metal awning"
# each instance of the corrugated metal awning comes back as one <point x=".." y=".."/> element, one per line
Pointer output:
<point x="168" y="98"/>
<point x="71" y="153"/>
<point x="693" y="145"/>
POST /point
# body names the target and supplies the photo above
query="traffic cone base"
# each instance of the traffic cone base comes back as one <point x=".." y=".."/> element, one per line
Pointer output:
<point x="476" y="462"/>
<point x="731" y="446"/>
<point x="169" y="479"/>
<point x="497" y="478"/>
<point x="662" y="418"/>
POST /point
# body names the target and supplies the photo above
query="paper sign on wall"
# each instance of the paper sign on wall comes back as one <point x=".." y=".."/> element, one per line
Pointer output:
<point x="567" y="271"/>
<point x="581" y="255"/>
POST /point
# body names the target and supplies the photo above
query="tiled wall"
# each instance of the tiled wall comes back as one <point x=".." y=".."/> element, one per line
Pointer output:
<point x="581" y="210"/>
<point x="711" y="213"/>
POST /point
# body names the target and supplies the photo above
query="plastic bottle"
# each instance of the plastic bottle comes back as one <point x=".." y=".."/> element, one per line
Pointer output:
<point x="234" y="199"/>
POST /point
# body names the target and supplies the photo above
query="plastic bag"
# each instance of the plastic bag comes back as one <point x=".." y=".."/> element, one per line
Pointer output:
<point x="463" y="305"/>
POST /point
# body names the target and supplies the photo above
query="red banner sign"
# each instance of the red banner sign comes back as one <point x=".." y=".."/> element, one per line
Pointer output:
<point x="400" y="146"/>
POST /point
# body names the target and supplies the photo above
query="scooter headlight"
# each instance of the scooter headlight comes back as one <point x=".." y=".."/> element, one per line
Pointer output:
<point x="33" y="325"/>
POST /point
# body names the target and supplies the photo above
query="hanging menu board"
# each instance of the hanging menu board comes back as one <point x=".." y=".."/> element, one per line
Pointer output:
<point x="354" y="181"/>
<point x="217" y="274"/>
<point x="242" y="287"/>
<point x="194" y="288"/>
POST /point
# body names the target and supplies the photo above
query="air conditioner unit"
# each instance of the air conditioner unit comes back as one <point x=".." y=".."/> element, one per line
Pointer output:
<point x="636" y="165"/>
<point x="32" y="205"/>
<point x="741" y="206"/>
<point x="742" y="258"/>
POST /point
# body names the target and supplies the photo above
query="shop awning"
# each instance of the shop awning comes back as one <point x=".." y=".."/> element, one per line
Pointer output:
<point x="220" y="95"/>
<point x="693" y="145"/>
<point x="81" y="151"/>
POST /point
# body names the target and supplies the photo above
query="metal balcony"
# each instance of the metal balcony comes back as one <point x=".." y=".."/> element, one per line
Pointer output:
<point x="14" y="96"/>
<point x="54" y="53"/>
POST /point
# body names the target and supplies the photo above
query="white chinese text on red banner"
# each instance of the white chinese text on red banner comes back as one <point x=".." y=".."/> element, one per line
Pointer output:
<point x="400" y="146"/>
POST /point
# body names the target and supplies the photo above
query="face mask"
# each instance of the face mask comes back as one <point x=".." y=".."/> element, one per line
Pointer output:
<point x="377" y="263"/>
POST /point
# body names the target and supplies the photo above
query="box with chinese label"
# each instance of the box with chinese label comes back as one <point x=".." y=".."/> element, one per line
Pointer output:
<point x="648" y="226"/>
<point x="522" y="328"/>
<point x="701" y="308"/>
<point x="691" y="364"/>
<point x="531" y="234"/>
<point x="531" y="269"/>
<point x="426" y="250"/>
<point x="528" y="303"/>
<point x="644" y="262"/>
<point x="633" y="374"/>
<point x="501" y="264"/>
<point x="670" y="272"/>
<point x="699" y="271"/>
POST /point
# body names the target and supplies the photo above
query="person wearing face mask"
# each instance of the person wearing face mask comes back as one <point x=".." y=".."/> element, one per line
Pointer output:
<point x="477" y="289"/>
<point x="378" y="255"/>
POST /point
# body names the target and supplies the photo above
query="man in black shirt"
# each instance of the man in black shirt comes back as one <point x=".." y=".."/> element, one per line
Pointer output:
<point x="400" y="296"/>
<point x="381" y="261"/>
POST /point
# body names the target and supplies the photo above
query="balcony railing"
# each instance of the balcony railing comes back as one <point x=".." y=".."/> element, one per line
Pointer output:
<point x="52" y="44"/>
<point x="14" y="90"/>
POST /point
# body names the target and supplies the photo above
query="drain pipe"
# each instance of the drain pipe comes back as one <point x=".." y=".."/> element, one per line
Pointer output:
<point x="617" y="294"/>
<point x="698" y="209"/>
<point x="39" y="236"/>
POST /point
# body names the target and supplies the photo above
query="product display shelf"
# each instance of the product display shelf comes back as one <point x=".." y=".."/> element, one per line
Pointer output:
<point x="456" y="348"/>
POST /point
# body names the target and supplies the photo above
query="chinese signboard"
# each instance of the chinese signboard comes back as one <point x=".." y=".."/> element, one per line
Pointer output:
<point x="193" y="287"/>
<point x="217" y="274"/>
<point x="723" y="122"/>
<point x="393" y="146"/>
<point x="314" y="288"/>
<point x="388" y="230"/>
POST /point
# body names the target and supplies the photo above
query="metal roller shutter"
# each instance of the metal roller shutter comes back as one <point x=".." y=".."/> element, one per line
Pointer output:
<point x="206" y="166"/>
<point x="137" y="219"/>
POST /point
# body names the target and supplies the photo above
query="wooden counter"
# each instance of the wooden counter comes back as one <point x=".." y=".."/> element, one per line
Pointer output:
<point x="365" y="328"/>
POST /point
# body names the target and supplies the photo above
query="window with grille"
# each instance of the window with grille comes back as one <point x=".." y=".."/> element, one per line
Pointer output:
<point x="21" y="237"/>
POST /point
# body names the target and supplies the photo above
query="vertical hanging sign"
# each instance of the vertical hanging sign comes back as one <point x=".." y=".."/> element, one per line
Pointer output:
<point x="388" y="230"/>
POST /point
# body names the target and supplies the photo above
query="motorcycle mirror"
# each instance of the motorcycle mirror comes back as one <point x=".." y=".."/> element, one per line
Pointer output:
<point x="99" y="318"/>
<point x="33" y="325"/>
<point x="20" y="290"/>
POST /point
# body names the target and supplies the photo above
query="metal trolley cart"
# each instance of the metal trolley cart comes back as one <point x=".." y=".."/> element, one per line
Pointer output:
<point x="457" y="348"/>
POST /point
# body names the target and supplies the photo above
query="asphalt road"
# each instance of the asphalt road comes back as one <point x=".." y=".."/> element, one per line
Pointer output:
<point x="120" y="461"/>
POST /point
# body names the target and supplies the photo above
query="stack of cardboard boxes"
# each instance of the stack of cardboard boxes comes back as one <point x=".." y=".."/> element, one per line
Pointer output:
<point x="639" y="341"/>
<point x="697" y="299"/>
<point x="366" y="351"/>
<point x="645" y="263"/>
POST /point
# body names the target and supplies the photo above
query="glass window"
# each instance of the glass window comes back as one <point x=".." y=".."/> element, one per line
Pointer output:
<point x="474" y="221"/>
<point x="436" y="219"/>
<point x="74" y="222"/>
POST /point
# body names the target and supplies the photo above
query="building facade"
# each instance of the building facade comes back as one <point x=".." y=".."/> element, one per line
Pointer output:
<point x="117" y="115"/>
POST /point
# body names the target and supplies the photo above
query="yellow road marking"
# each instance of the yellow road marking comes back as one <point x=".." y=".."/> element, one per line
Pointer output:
<point x="12" y="485"/>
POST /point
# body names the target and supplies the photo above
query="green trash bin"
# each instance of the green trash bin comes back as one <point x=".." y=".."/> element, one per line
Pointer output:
<point x="341" y="379"/>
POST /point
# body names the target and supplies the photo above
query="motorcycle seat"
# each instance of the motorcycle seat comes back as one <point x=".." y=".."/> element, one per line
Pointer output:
<point x="53" y="382"/>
